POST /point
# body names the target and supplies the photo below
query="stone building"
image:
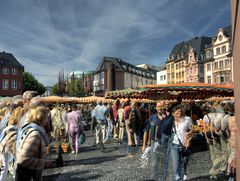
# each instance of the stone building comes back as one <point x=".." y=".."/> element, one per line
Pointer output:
<point x="115" y="74"/>
<point x="235" y="12"/>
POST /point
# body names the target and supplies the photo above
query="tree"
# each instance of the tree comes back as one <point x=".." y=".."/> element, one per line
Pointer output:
<point x="55" y="89"/>
<point x="31" y="83"/>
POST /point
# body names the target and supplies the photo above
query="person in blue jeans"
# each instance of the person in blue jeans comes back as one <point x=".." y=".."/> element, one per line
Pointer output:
<point x="182" y="135"/>
<point x="160" y="130"/>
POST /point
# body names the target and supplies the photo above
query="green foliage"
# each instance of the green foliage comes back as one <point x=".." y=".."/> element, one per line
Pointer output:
<point x="31" y="83"/>
<point x="55" y="89"/>
<point x="77" y="89"/>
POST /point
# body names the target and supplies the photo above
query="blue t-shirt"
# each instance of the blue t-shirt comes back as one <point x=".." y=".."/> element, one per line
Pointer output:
<point x="153" y="121"/>
<point x="164" y="126"/>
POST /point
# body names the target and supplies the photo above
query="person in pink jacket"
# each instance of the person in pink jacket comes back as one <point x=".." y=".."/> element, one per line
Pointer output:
<point x="75" y="126"/>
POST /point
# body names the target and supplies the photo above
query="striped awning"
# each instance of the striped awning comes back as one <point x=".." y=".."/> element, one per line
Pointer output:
<point x="123" y="93"/>
<point x="174" y="91"/>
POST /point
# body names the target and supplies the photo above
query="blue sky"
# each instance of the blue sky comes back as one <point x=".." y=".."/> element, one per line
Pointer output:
<point x="49" y="35"/>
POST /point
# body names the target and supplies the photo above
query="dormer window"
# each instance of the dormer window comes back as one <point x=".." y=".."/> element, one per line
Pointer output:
<point x="209" y="54"/>
<point x="182" y="55"/>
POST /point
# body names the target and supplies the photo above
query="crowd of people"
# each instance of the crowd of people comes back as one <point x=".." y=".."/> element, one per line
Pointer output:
<point x="27" y="127"/>
<point x="167" y="128"/>
<point x="163" y="130"/>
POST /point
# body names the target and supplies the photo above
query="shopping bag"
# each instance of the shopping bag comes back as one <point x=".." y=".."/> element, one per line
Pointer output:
<point x="156" y="147"/>
<point x="145" y="157"/>
<point x="81" y="138"/>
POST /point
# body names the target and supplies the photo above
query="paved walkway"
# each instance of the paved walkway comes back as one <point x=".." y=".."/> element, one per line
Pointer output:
<point x="92" y="164"/>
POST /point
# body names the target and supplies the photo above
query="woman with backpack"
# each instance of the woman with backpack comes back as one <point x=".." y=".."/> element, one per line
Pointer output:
<point x="31" y="146"/>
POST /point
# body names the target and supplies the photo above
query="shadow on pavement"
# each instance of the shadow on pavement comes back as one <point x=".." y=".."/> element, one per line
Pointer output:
<point x="94" y="148"/>
<point x="206" y="177"/>
<point x="72" y="175"/>
<point x="92" y="161"/>
<point x="88" y="148"/>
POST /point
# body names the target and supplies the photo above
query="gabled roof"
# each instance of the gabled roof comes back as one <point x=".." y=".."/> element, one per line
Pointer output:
<point x="197" y="43"/>
<point x="126" y="67"/>
<point x="149" y="67"/>
<point x="8" y="60"/>
<point x="228" y="31"/>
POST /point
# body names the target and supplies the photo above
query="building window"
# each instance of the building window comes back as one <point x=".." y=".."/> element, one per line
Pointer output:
<point x="168" y="76"/>
<point x="5" y="84"/>
<point x="14" y="84"/>
<point x="201" y="69"/>
<point x="221" y="64"/>
<point x="223" y="49"/>
<point x="217" y="51"/>
<point x="168" y="67"/>
<point x="227" y="63"/>
<point x="216" y="65"/>
<point x="220" y="37"/>
<point x="172" y="76"/>
<point x="222" y="79"/>
<point x="209" y="79"/>
<point x="5" y="71"/>
<point x="177" y="67"/>
<point x="208" y="67"/>
<point x="172" y="66"/>
<point x="227" y="79"/>
<point x="209" y="54"/>
<point x="14" y="71"/>
<point x="215" y="79"/>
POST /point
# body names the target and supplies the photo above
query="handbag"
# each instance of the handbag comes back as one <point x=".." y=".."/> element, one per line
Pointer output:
<point x="184" y="151"/>
<point x="81" y="138"/>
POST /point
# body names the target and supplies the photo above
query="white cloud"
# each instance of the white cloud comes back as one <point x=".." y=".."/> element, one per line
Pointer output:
<point x="48" y="36"/>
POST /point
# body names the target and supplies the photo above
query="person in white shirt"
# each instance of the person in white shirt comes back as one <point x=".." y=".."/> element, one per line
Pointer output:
<point x="98" y="114"/>
<point x="182" y="135"/>
<point x="214" y="137"/>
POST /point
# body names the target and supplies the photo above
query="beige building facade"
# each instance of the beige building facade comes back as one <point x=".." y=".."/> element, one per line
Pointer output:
<point x="222" y="57"/>
<point x="218" y="64"/>
<point x="185" y="62"/>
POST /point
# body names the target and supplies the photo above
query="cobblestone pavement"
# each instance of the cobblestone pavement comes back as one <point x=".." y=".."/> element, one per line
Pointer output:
<point x="92" y="164"/>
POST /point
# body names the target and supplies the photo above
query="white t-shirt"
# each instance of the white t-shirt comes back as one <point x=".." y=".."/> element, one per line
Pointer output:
<point x="216" y="119"/>
<point x="182" y="128"/>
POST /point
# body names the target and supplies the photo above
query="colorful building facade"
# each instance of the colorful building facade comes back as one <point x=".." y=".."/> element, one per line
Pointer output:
<point x="185" y="62"/>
